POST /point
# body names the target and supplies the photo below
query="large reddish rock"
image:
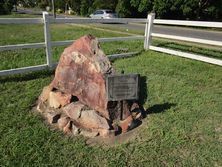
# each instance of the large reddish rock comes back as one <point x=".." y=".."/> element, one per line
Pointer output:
<point x="81" y="71"/>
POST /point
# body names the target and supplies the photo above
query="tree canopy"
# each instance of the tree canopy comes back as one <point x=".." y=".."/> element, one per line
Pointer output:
<point x="168" y="9"/>
<point x="6" y="6"/>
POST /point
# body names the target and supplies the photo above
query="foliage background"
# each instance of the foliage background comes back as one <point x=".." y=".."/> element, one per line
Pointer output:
<point x="167" y="9"/>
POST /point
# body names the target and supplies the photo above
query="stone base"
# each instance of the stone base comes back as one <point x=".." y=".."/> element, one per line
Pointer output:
<point x="75" y="118"/>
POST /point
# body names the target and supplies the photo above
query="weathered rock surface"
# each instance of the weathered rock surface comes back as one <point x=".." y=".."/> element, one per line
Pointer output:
<point x="41" y="106"/>
<point x="88" y="119"/>
<point x="75" y="130"/>
<point x="88" y="133"/>
<point x="57" y="99"/>
<point x="73" y="110"/>
<point x="52" y="117"/>
<point x="68" y="128"/>
<point x="62" y="122"/>
<point x="45" y="93"/>
<point x="53" y="101"/>
<point x="80" y="72"/>
<point x="106" y="133"/>
<point x="125" y="124"/>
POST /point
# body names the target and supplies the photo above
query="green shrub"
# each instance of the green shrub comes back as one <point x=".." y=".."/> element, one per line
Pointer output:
<point x="6" y="6"/>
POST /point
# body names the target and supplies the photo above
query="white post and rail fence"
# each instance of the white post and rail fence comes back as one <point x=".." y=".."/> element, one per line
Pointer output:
<point x="48" y="44"/>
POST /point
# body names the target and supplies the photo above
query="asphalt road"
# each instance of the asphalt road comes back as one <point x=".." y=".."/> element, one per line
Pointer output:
<point x="170" y="30"/>
<point x="179" y="31"/>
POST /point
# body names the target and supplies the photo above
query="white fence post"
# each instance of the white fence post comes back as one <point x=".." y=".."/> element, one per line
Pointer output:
<point x="47" y="39"/>
<point x="148" y="30"/>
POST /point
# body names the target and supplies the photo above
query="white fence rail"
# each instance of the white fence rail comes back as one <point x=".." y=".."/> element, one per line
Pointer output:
<point x="187" y="55"/>
<point x="21" y="21"/>
<point x="88" y="20"/>
<point x="22" y="46"/>
<point x="48" y="44"/>
<point x="189" y="23"/>
<point x="188" y="39"/>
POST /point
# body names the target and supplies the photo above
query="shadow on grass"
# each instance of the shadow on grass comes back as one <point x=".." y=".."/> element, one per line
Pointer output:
<point x="159" y="108"/>
<point x="26" y="76"/>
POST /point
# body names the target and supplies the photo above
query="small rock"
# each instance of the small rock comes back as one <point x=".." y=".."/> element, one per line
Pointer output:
<point x="125" y="124"/>
<point x="90" y="119"/>
<point x="88" y="133"/>
<point x="137" y="112"/>
<point x="63" y="98"/>
<point x="53" y="101"/>
<point x="137" y="115"/>
<point x="57" y="99"/>
<point x="41" y="106"/>
<point x="75" y="130"/>
<point x="73" y="110"/>
<point x="68" y="128"/>
<point x="52" y="117"/>
<point x="45" y="93"/>
<point x="62" y="122"/>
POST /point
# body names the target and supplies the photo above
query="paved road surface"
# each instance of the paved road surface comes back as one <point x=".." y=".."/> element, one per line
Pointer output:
<point x="170" y="30"/>
<point x="179" y="31"/>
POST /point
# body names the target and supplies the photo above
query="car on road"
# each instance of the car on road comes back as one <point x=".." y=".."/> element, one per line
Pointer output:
<point x="103" y="14"/>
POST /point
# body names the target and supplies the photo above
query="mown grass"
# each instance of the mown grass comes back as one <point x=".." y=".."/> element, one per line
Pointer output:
<point x="209" y="51"/>
<point x="183" y="98"/>
<point x="20" y="34"/>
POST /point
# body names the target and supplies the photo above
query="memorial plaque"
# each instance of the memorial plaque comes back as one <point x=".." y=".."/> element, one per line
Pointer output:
<point x="122" y="87"/>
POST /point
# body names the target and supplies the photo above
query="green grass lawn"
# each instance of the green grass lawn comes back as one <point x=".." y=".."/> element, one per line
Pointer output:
<point x="183" y="97"/>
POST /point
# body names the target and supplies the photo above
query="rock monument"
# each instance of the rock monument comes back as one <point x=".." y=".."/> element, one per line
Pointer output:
<point x="76" y="100"/>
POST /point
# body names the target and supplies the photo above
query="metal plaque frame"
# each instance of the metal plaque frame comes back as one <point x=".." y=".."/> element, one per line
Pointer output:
<point x="122" y="87"/>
